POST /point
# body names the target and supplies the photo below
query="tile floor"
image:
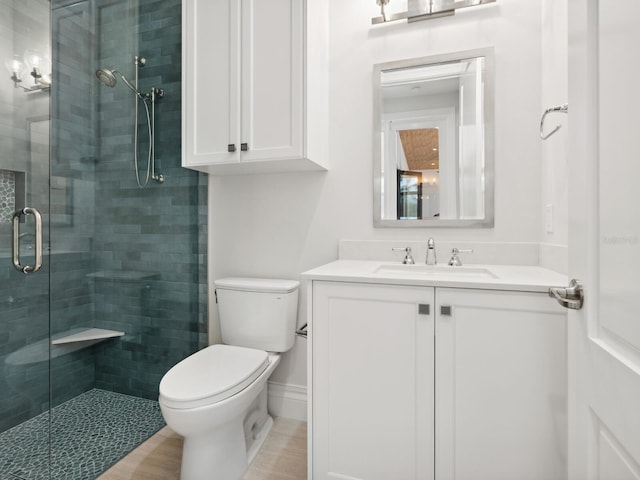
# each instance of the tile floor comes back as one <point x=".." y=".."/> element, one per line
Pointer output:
<point x="89" y="433"/>
<point x="282" y="457"/>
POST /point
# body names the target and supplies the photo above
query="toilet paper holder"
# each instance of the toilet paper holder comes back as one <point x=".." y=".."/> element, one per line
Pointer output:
<point x="302" y="331"/>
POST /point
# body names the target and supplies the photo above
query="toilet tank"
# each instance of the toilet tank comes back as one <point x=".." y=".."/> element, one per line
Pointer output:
<point x="258" y="313"/>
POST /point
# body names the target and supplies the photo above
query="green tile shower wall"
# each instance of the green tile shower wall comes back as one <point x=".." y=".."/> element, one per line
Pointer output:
<point x="158" y="231"/>
<point x="99" y="219"/>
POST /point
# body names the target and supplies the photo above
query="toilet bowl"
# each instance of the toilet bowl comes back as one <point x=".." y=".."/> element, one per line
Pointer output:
<point x="217" y="397"/>
<point x="223" y="422"/>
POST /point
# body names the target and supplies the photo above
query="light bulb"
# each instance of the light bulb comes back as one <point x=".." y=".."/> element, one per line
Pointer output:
<point x="33" y="59"/>
<point x="14" y="65"/>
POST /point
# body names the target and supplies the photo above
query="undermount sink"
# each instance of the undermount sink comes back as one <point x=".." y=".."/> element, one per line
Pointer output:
<point x="435" y="271"/>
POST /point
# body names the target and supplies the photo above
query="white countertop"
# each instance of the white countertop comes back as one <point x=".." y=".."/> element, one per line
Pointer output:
<point x="489" y="277"/>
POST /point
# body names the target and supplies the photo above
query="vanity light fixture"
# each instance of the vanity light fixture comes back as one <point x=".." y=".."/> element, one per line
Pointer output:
<point x="424" y="9"/>
<point x="36" y="65"/>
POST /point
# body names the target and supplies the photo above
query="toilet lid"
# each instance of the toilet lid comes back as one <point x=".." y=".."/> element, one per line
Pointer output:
<point x="266" y="285"/>
<point x="211" y="375"/>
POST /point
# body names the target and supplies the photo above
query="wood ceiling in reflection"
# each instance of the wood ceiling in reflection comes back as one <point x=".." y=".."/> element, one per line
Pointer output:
<point x="421" y="148"/>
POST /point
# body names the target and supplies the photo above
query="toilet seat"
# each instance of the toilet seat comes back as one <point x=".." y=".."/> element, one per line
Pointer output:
<point x="211" y="375"/>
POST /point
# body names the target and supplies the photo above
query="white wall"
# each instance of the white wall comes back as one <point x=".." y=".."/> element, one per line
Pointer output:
<point x="554" y="150"/>
<point x="281" y="225"/>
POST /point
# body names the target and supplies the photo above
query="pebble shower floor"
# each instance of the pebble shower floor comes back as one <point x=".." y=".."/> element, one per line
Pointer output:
<point x="89" y="433"/>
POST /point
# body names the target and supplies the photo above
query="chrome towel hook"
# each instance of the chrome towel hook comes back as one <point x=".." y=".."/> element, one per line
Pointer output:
<point x="564" y="108"/>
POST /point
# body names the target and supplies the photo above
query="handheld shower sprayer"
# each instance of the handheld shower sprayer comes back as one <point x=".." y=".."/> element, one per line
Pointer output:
<point x="108" y="78"/>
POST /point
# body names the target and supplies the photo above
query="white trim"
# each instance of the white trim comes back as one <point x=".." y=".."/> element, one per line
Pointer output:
<point x="289" y="401"/>
<point x="444" y="119"/>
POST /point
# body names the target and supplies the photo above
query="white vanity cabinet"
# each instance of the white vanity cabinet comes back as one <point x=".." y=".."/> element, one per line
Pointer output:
<point x="373" y="382"/>
<point x="254" y="99"/>
<point x="500" y="385"/>
<point x="472" y="387"/>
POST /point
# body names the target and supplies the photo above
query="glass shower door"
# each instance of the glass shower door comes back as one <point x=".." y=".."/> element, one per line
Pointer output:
<point x="24" y="200"/>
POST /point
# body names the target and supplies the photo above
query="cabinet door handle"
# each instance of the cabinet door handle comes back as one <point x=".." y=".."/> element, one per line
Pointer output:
<point x="445" y="310"/>
<point x="231" y="147"/>
<point x="244" y="147"/>
<point x="424" y="309"/>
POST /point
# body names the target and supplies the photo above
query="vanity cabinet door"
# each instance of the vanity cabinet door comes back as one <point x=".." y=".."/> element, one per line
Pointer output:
<point x="500" y="386"/>
<point x="252" y="99"/>
<point x="372" y="382"/>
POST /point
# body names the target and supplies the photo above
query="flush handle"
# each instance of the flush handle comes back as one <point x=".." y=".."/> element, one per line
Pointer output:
<point x="37" y="239"/>
<point x="569" y="297"/>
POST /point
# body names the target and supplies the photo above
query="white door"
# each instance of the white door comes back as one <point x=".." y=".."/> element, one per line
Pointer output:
<point x="272" y="79"/>
<point x="211" y="75"/>
<point x="604" y="239"/>
<point x="372" y="387"/>
<point x="499" y="419"/>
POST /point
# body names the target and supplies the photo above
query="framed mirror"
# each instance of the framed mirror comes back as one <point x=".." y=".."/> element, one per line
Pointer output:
<point x="433" y="141"/>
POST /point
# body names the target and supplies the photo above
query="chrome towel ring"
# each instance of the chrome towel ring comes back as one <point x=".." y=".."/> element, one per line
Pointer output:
<point x="564" y="108"/>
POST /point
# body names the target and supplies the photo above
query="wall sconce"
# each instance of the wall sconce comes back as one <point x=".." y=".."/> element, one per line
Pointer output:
<point x="425" y="9"/>
<point x="36" y="65"/>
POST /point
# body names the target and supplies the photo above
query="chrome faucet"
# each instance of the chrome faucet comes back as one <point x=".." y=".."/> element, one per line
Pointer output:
<point x="408" y="259"/>
<point x="455" y="259"/>
<point x="431" y="252"/>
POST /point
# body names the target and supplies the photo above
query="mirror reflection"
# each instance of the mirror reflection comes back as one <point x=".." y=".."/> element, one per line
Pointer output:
<point x="433" y="141"/>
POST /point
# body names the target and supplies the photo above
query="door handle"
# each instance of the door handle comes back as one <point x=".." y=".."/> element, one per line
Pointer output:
<point x="37" y="240"/>
<point x="569" y="297"/>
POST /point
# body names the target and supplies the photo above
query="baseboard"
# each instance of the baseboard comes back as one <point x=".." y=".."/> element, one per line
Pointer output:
<point x="289" y="401"/>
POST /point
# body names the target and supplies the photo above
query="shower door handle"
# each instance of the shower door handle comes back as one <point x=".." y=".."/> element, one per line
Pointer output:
<point x="37" y="240"/>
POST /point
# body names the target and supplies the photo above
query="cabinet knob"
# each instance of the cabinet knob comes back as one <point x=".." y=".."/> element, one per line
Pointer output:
<point x="231" y="147"/>
<point x="244" y="147"/>
<point x="445" y="310"/>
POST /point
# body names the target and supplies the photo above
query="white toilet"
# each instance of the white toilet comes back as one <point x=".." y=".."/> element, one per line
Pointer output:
<point x="217" y="398"/>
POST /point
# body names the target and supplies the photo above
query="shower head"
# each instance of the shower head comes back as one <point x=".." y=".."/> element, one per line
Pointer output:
<point x="107" y="77"/>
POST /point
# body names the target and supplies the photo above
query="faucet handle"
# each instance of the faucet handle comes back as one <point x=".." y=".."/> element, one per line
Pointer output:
<point x="408" y="259"/>
<point x="455" y="259"/>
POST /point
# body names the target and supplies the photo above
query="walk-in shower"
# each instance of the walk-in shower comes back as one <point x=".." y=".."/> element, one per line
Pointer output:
<point x="108" y="78"/>
<point x="86" y="338"/>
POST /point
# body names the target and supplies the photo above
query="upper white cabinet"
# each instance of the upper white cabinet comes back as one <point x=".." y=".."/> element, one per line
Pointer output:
<point x="255" y="86"/>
